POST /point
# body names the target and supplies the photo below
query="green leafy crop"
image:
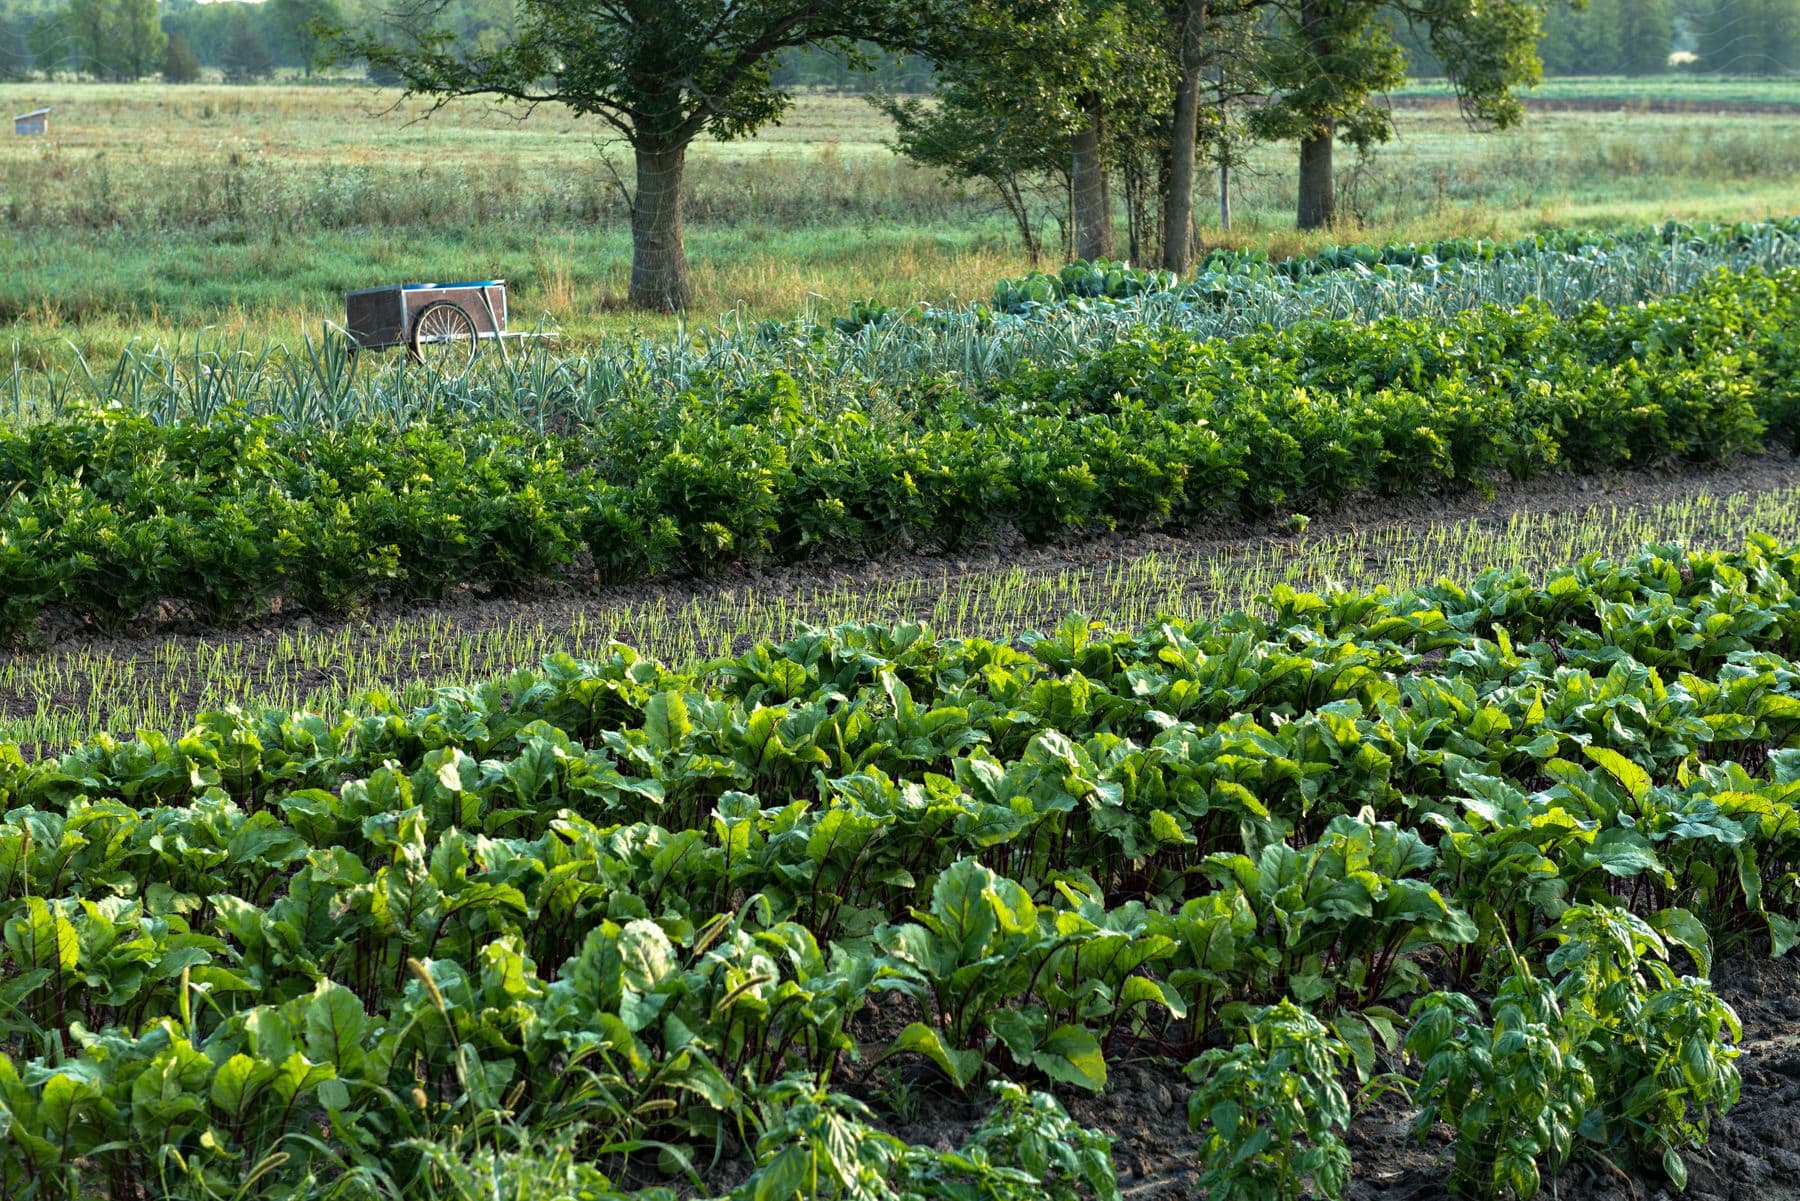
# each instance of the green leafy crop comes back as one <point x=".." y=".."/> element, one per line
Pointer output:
<point x="647" y="927"/>
<point x="110" y="515"/>
<point x="1273" y="1110"/>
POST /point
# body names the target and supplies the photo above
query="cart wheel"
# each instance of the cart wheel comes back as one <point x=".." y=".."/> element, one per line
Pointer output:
<point x="444" y="337"/>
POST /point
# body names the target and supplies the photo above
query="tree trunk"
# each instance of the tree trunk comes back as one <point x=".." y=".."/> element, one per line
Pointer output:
<point x="1225" y="194"/>
<point x="1106" y="209"/>
<point x="1013" y="197"/>
<point x="1178" y="206"/>
<point x="1089" y="193"/>
<point x="658" y="263"/>
<point x="1318" y="191"/>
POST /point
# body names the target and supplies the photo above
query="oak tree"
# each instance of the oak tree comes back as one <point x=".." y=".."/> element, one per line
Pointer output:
<point x="1041" y="90"/>
<point x="660" y="73"/>
<point x="1330" y="59"/>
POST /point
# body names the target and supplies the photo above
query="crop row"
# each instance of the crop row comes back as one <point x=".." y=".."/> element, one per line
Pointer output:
<point x="870" y="352"/>
<point x="1472" y="835"/>
<point x="64" y="695"/>
<point x="1219" y="270"/>
<point x="110" y="514"/>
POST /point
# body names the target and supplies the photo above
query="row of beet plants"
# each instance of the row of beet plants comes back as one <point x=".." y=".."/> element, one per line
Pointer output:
<point x="1478" y="843"/>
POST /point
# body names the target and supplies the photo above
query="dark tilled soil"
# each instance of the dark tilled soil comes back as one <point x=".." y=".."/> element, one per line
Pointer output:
<point x="1753" y="1154"/>
<point x="168" y="647"/>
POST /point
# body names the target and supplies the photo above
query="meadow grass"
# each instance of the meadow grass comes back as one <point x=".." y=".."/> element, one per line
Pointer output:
<point x="153" y="211"/>
<point x="1685" y="87"/>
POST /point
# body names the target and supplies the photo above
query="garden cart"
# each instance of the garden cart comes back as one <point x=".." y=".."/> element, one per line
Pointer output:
<point x="440" y="324"/>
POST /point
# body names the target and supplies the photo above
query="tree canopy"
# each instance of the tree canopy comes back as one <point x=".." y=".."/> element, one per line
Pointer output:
<point x="1044" y="76"/>
<point x="1326" y="61"/>
<point x="659" y="73"/>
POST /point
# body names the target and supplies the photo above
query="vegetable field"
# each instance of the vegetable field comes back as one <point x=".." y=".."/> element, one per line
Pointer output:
<point x="1480" y="845"/>
<point x="1093" y="824"/>
<point x="120" y="501"/>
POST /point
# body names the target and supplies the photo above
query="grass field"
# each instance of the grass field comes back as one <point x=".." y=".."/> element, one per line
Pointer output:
<point x="154" y="211"/>
<point x="1628" y="91"/>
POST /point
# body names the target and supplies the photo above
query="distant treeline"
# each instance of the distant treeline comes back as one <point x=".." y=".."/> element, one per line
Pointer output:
<point x="132" y="39"/>
<point x="1649" y="37"/>
<point x="129" y="39"/>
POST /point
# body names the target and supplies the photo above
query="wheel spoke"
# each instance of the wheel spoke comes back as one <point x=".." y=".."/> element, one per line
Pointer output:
<point x="445" y="334"/>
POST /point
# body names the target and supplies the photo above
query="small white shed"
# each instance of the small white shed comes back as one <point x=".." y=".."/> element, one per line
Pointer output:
<point x="37" y="121"/>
